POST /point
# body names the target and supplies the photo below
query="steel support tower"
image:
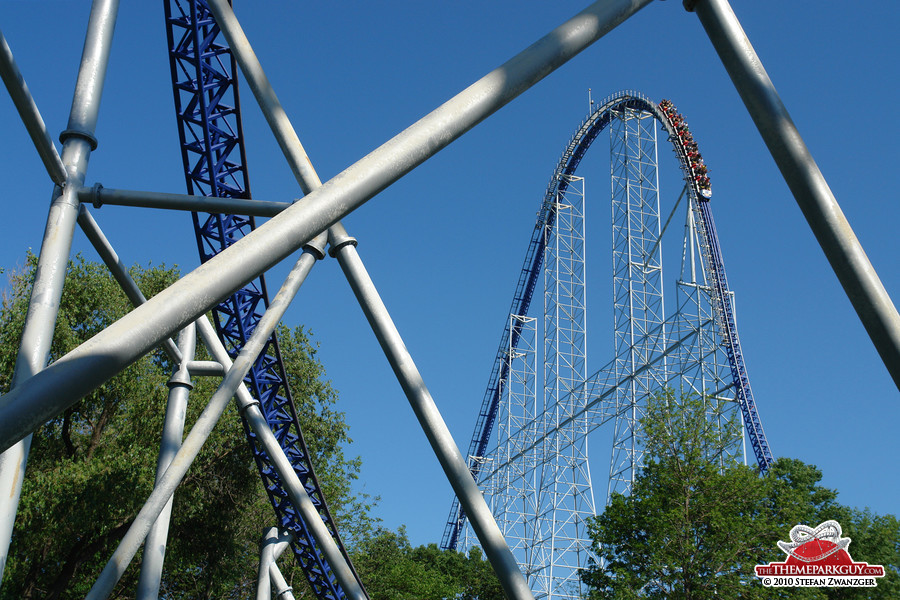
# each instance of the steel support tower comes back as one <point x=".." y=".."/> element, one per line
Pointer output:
<point x="674" y="334"/>
<point x="513" y="490"/>
<point x="638" y="302"/>
<point x="565" y="493"/>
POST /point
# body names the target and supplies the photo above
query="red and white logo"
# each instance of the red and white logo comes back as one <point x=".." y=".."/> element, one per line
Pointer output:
<point x="818" y="558"/>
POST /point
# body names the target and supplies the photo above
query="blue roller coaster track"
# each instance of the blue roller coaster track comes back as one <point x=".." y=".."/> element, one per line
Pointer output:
<point x="571" y="157"/>
<point x="208" y="113"/>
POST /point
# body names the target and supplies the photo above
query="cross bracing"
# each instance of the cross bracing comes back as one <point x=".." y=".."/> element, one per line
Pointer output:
<point x="662" y="340"/>
<point x="41" y="393"/>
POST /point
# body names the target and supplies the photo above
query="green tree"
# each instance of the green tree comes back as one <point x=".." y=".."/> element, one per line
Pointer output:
<point x="875" y="539"/>
<point x="394" y="570"/>
<point x="696" y="523"/>
<point x="91" y="468"/>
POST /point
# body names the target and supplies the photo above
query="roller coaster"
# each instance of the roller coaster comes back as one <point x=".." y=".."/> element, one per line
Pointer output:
<point x="537" y="474"/>
<point x="206" y="49"/>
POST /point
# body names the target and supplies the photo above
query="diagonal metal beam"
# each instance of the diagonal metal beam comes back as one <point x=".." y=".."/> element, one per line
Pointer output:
<point x="825" y="217"/>
<point x="29" y="113"/>
<point x="74" y="375"/>
<point x="513" y="582"/>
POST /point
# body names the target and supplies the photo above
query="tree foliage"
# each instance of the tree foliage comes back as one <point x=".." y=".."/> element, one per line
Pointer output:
<point x="91" y="468"/>
<point x="394" y="570"/>
<point x="696" y="523"/>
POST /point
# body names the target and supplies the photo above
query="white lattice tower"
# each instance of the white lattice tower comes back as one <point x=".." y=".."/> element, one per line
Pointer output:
<point x="639" y="310"/>
<point x="512" y="481"/>
<point x="566" y="497"/>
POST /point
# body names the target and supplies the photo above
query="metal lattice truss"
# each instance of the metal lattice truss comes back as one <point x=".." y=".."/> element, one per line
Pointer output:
<point x="207" y="111"/>
<point x="40" y="392"/>
<point x="638" y="306"/>
<point x="563" y="474"/>
<point x="654" y="350"/>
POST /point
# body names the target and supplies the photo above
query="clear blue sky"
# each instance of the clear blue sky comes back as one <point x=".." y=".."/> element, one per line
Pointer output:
<point x="444" y="245"/>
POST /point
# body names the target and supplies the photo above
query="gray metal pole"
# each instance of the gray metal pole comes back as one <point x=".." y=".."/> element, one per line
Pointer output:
<point x="166" y="485"/>
<point x="99" y="196"/>
<point x="74" y="375"/>
<point x="470" y="497"/>
<point x="29" y="113"/>
<point x="282" y="590"/>
<point x="43" y="307"/>
<point x="273" y="543"/>
<point x="173" y="430"/>
<point x="266" y="559"/>
<point x="436" y="431"/>
<point x="828" y="223"/>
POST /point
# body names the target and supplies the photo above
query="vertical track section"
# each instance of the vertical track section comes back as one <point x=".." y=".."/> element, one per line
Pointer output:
<point x="207" y="109"/>
<point x="732" y="343"/>
<point x="695" y="174"/>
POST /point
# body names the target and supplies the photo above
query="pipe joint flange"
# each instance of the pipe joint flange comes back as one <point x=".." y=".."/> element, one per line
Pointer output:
<point x="68" y="133"/>
<point x="284" y="593"/>
<point x="181" y="378"/>
<point x="690" y="4"/>
<point x="315" y="250"/>
<point x="340" y="243"/>
<point x="242" y="408"/>
<point x="95" y="195"/>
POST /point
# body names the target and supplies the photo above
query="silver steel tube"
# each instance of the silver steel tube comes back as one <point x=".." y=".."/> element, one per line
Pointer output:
<point x="448" y="454"/>
<point x="272" y="545"/>
<point x="265" y="96"/>
<point x="83" y="369"/>
<point x="173" y="430"/>
<point x="206" y="368"/>
<point x="496" y="548"/>
<point x="266" y="560"/>
<point x="282" y="590"/>
<point x="828" y="223"/>
<point x="92" y="71"/>
<point x="29" y="113"/>
<point x="166" y="485"/>
<point x="119" y="271"/>
<point x="99" y="196"/>
<point x="46" y="292"/>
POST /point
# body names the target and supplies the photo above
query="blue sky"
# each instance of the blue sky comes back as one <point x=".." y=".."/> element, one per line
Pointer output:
<point x="444" y="244"/>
